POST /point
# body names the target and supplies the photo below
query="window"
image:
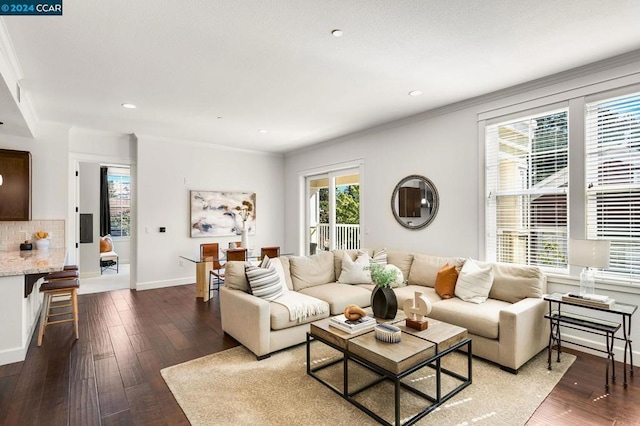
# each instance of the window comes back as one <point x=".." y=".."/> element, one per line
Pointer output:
<point x="613" y="180"/>
<point x="119" y="201"/>
<point x="527" y="185"/>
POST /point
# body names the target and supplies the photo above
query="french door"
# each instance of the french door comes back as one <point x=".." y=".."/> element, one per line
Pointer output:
<point x="333" y="210"/>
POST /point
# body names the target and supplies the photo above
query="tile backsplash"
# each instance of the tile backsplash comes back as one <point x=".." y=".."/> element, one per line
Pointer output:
<point x="12" y="234"/>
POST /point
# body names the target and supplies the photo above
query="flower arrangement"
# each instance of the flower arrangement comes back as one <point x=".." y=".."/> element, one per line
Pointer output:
<point x="381" y="276"/>
<point x="41" y="235"/>
<point x="245" y="211"/>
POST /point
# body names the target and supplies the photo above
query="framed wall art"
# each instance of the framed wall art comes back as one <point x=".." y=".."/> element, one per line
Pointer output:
<point x="222" y="213"/>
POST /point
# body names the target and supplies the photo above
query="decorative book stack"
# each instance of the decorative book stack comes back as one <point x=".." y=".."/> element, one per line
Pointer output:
<point x="593" y="300"/>
<point x="352" y="326"/>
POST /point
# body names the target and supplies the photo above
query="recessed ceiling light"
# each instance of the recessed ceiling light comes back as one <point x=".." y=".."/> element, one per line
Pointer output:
<point x="337" y="33"/>
<point x="415" y="93"/>
<point x="128" y="106"/>
<point x="219" y="117"/>
<point x="263" y="130"/>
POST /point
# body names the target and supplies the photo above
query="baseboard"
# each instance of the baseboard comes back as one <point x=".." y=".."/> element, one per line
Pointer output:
<point x="618" y="351"/>
<point x="166" y="283"/>
<point x="9" y="356"/>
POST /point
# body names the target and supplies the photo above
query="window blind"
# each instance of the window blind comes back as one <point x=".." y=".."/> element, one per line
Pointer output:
<point x="527" y="185"/>
<point x="613" y="180"/>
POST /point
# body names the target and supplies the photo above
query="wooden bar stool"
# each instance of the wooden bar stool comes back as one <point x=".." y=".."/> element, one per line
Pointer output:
<point x="57" y="286"/>
<point x="70" y="267"/>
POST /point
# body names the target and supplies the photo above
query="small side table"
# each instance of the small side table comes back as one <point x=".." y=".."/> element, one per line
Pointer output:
<point x="588" y="324"/>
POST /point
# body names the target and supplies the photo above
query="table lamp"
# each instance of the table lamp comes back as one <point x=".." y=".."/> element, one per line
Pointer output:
<point x="590" y="254"/>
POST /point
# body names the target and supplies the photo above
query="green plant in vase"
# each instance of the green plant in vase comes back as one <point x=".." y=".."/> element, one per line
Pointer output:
<point x="383" y="300"/>
<point x="382" y="276"/>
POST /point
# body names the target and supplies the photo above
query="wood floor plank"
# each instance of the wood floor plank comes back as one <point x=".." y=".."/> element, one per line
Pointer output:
<point x="83" y="403"/>
<point x="111" y="395"/>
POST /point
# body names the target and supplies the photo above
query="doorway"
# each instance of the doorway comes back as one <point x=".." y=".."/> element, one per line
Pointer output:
<point x="333" y="210"/>
<point x="85" y="227"/>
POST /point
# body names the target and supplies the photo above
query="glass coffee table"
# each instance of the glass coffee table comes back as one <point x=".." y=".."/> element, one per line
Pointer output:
<point x="393" y="363"/>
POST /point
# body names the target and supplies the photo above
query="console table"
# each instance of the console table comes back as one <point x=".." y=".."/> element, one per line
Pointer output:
<point x="608" y="329"/>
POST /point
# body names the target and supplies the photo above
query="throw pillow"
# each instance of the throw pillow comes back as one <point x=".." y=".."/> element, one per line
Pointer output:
<point x="354" y="272"/>
<point x="474" y="282"/>
<point x="400" y="276"/>
<point x="446" y="281"/>
<point x="106" y="244"/>
<point x="264" y="280"/>
<point x="380" y="256"/>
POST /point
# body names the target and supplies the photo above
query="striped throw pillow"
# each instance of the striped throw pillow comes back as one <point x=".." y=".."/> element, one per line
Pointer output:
<point x="264" y="280"/>
<point x="474" y="282"/>
<point x="380" y="257"/>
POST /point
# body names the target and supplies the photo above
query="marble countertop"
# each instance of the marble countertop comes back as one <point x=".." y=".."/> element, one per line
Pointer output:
<point x="31" y="262"/>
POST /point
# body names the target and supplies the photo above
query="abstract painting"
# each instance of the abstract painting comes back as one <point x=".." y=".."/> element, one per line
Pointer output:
<point x="216" y="213"/>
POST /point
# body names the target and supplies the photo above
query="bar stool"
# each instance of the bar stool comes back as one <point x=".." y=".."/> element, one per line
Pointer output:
<point x="63" y="283"/>
<point x="70" y="268"/>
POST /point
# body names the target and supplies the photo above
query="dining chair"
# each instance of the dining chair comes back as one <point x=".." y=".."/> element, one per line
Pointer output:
<point x="271" y="252"/>
<point x="212" y="251"/>
<point x="218" y="273"/>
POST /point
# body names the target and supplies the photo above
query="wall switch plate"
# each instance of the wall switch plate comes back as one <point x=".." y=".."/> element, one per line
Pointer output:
<point x="163" y="229"/>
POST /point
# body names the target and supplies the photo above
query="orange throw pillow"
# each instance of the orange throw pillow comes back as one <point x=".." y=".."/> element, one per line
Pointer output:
<point x="105" y="245"/>
<point x="446" y="281"/>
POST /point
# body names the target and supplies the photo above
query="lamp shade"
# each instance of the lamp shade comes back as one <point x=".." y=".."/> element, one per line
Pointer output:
<point x="589" y="253"/>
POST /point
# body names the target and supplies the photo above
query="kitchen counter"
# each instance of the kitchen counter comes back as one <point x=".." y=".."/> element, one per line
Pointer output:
<point x="31" y="262"/>
<point x="21" y="274"/>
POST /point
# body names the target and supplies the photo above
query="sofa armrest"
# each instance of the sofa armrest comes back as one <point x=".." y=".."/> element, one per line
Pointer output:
<point x="246" y="318"/>
<point x="524" y="332"/>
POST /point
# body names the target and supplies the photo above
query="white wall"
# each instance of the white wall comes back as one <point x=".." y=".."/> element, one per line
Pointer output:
<point x="166" y="171"/>
<point x="49" y="165"/>
<point x="90" y="204"/>
<point x="446" y="147"/>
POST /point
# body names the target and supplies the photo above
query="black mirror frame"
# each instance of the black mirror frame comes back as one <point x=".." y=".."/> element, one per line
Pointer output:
<point x="434" y="209"/>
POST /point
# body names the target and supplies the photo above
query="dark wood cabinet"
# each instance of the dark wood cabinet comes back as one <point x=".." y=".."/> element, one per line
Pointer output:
<point x="409" y="200"/>
<point x="15" y="190"/>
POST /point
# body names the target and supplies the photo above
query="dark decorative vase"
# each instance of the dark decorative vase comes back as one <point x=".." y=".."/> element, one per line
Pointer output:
<point x="384" y="303"/>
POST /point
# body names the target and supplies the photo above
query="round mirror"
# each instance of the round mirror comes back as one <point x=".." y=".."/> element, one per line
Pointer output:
<point x="414" y="202"/>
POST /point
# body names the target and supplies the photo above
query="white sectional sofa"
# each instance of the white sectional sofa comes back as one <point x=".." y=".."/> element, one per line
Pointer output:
<point x="509" y="328"/>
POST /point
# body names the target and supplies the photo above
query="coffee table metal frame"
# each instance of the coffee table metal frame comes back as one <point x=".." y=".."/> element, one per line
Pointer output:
<point x="432" y="362"/>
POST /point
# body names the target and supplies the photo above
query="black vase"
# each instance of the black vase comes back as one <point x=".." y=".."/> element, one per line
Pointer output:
<point x="384" y="303"/>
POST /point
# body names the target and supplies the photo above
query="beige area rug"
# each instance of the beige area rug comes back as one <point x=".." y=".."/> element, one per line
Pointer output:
<point x="233" y="388"/>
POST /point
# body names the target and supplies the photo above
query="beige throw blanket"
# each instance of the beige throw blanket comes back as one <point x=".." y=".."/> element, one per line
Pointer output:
<point x="300" y="305"/>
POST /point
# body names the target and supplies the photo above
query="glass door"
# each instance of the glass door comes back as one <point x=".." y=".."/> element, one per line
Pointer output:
<point x="333" y="211"/>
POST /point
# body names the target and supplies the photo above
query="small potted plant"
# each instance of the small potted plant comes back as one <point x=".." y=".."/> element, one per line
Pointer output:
<point x="383" y="300"/>
<point x="42" y="242"/>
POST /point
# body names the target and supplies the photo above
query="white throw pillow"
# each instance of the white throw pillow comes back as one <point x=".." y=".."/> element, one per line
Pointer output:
<point x="400" y="276"/>
<point x="474" y="282"/>
<point x="354" y="272"/>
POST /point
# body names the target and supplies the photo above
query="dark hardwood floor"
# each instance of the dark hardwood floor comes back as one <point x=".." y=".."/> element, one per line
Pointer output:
<point x="111" y="375"/>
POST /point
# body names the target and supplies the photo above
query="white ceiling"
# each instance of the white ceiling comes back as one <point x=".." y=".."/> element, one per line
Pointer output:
<point x="273" y="64"/>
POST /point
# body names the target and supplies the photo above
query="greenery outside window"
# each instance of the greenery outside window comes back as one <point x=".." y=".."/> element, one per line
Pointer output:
<point x="119" y="201"/>
<point x="527" y="181"/>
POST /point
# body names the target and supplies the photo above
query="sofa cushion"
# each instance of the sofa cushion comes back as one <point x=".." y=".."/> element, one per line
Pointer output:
<point x="482" y="320"/>
<point x="284" y="260"/>
<point x="474" y="282"/>
<point x="338" y="256"/>
<point x="264" y="280"/>
<point x="309" y="271"/>
<point x="338" y="296"/>
<point x="402" y="259"/>
<point x="424" y="268"/>
<point x="407" y="292"/>
<point x="279" y="317"/>
<point x="446" y="281"/>
<point x="513" y="283"/>
<point x="235" y="277"/>
<point x="354" y="272"/>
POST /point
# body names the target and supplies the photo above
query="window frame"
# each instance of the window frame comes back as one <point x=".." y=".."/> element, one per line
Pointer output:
<point x="120" y="172"/>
